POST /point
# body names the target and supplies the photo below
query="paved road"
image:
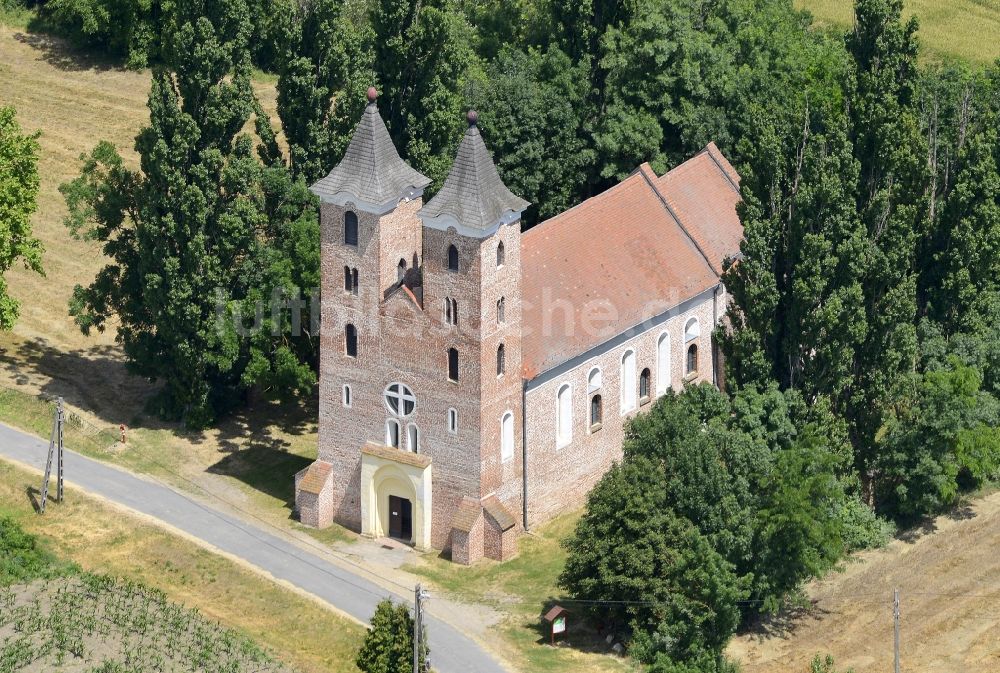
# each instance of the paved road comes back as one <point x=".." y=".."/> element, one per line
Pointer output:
<point x="451" y="651"/>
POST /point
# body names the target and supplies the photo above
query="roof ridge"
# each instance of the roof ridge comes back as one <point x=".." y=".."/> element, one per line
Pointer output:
<point x="666" y="204"/>
<point x="711" y="149"/>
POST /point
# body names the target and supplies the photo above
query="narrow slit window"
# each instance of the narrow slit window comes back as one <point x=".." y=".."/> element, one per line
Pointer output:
<point x="452" y="258"/>
<point x="501" y="360"/>
<point x="501" y="255"/>
<point x="350" y="228"/>
<point x="392" y="433"/>
<point x="453" y="364"/>
<point x="351" y="340"/>
<point x="596" y="411"/>
<point x="507" y="436"/>
<point x="452" y="421"/>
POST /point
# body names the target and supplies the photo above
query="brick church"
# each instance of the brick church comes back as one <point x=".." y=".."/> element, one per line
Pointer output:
<point x="474" y="378"/>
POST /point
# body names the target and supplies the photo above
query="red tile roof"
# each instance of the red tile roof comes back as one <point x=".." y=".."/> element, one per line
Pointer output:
<point x="703" y="193"/>
<point x="624" y="256"/>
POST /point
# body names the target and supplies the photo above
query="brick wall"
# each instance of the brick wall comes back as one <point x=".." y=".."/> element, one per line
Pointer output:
<point x="560" y="478"/>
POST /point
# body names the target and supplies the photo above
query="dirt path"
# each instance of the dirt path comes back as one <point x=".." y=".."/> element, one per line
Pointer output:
<point x="948" y="575"/>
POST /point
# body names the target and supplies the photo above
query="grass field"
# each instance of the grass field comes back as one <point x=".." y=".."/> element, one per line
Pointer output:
<point x="966" y="29"/>
<point x="103" y="539"/>
<point x="948" y="576"/>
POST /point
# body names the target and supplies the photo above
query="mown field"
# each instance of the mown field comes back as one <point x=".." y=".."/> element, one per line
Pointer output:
<point x="948" y="28"/>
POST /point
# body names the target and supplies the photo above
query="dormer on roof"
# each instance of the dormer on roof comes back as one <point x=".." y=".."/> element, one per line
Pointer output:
<point x="473" y="199"/>
<point x="371" y="175"/>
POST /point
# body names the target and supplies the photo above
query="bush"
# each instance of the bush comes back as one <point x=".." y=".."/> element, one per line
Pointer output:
<point x="862" y="528"/>
<point x="21" y="557"/>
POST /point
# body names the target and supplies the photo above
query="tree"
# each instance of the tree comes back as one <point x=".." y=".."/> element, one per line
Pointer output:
<point x="324" y="70"/>
<point x="887" y="146"/>
<point x="717" y="500"/>
<point x="796" y="304"/>
<point x="18" y="200"/>
<point x="388" y="645"/>
<point x="193" y="234"/>
<point x="942" y="428"/>
<point x="659" y="576"/>
<point x="427" y="65"/>
<point x="529" y="114"/>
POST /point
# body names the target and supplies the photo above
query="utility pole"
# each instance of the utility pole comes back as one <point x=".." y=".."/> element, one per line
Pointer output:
<point x="895" y="619"/>
<point x="419" y="647"/>
<point x="55" y="447"/>
<point x="416" y="629"/>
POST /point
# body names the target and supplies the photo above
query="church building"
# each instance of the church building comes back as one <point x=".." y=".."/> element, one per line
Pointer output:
<point x="475" y="379"/>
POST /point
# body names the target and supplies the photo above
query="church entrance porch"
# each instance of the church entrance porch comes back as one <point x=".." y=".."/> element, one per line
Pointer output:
<point x="396" y="495"/>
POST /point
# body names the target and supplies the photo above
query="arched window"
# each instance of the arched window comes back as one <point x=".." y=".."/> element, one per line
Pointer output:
<point x="594" y="380"/>
<point x="450" y="311"/>
<point x="401" y="271"/>
<point x="507" y="436"/>
<point x="392" y="433"/>
<point x="350" y="228"/>
<point x="347" y="396"/>
<point x="564" y="415"/>
<point x="500" y="310"/>
<point x="500" y="254"/>
<point x="692" y="358"/>
<point x="644" y="385"/>
<point x="662" y="363"/>
<point x="413" y="438"/>
<point x="348" y="279"/>
<point x="454" y="311"/>
<point x="596" y="412"/>
<point x="692" y="330"/>
<point x="501" y="360"/>
<point x="628" y="381"/>
<point x="452" y="258"/>
<point x="399" y="399"/>
<point x="351" y="340"/>
<point x="452" y="421"/>
<point x="453" y="364"/>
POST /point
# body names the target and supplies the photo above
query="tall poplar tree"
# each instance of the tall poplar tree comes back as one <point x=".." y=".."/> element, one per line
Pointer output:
<point x="324" y="70"/>
<point x="887" y="146"/>
<point x="428" y="70"/>
<point x="190" y="234"/>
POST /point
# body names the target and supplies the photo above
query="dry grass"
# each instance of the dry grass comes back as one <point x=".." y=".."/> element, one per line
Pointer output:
<point x="74" y="102"/>
<point x="948" y="575"/>
<point x="965" y="29"/>
<point x="104" y="539"/>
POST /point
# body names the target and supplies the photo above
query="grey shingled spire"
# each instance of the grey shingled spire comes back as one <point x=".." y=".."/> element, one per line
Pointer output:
<point x="473" y="193"/>
<point x="371" y="170"/>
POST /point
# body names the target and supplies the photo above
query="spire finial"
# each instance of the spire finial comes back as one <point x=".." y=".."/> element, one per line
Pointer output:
<point x="372" y="94"/>
<point x="472" y="117"/>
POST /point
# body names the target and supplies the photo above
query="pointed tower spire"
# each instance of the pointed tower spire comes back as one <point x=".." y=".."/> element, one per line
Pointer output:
<point x="371" y="171"/>
<point x="473" y="199"/>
